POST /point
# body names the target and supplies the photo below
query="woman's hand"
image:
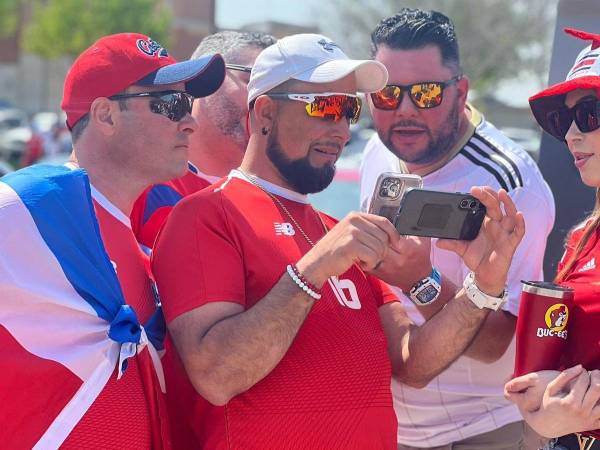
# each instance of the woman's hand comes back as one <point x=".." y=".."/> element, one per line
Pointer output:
<point x="569" y="402"/>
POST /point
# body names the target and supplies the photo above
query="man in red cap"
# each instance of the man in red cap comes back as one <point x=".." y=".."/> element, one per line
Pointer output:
<point x="87" y="372"/>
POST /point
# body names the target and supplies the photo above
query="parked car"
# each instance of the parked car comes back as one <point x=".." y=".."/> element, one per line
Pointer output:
<point x="5" y="168"/>
<point x="5" y="104"/>
<point x="14" y="133"/>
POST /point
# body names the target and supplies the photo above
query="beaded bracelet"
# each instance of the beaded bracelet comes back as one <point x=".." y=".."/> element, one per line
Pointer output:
<point x="302" y="282"/>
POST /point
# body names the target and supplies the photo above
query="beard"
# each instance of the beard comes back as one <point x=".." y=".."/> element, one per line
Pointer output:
<point x="299" y="173"/>
<point x="439" y="144"/>
<point x="229" y="118"/>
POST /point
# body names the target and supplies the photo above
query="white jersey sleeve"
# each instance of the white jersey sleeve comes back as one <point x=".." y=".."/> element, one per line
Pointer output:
<point x="376" y="160"/>
<point x="527" y="263"/>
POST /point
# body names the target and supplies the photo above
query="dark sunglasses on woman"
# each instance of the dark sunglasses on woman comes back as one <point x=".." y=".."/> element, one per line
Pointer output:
<point x="586" y="115"/>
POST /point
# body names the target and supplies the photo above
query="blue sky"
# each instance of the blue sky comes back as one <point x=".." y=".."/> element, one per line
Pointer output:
<point x="236" y="13"/>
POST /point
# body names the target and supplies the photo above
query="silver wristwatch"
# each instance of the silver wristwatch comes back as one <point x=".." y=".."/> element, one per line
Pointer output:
<point x="427" y="290"/>
<point x="481" y="299"/>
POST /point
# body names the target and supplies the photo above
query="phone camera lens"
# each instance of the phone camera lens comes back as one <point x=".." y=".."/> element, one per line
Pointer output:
<point x="464" y="203"/>
<point x="472" y="204"/>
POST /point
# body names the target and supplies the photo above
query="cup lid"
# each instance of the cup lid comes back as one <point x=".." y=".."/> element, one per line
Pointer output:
<point x="546" y="288"/>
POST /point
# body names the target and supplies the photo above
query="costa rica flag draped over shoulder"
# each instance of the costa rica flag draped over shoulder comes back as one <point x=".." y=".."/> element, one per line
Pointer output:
<point x="64" y="324"/>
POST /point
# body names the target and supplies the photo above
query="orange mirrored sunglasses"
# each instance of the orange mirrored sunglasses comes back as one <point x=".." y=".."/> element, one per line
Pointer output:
<point x="424" y="94"/>
<point x="327" y="105"/>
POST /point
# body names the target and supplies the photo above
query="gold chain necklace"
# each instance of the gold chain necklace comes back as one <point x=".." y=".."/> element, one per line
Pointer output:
<point x="252" y="179"/>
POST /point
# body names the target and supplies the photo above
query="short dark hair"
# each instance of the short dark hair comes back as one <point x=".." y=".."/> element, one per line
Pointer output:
<point x="79" y="126"/>
<point x="230" y="43"/>
<point x="412" y="29"/>
<point x="82" y="123"/>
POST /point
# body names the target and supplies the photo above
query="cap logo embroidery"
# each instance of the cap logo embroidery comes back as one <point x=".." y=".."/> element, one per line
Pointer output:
<point x="151" y="48"/>
<point x="327" y="45"/>
<point x="585" y="64"/>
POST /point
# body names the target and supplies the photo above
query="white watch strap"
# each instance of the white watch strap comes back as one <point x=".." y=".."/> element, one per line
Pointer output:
<point x="481" y="299"/>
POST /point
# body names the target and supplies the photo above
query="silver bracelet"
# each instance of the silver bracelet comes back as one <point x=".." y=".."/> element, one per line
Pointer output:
<point x="301" y="284"/>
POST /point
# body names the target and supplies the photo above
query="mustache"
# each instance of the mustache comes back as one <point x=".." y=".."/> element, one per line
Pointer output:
<point x="332" y="145"/>
<point x="409" y="123"/>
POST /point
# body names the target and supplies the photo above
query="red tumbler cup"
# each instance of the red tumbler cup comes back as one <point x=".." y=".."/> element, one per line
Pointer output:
<point x="542" y="326"/>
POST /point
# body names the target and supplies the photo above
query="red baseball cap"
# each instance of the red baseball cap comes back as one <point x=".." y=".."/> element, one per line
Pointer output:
<point x="585" y="74"/>
<point x="118" y="61"/>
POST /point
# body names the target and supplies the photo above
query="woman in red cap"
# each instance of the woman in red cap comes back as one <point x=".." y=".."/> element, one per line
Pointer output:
<point x="565" y="405"/>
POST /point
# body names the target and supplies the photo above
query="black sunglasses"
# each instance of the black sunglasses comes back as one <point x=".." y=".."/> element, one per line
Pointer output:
<point x="424" y="94"/>
<point x="174" y="105"/>
<point x="586" y="115"/>
<point x="239" y="68"/>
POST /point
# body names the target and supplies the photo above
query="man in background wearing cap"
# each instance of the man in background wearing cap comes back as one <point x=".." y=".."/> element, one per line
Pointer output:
<point x="81" y="326"/>
<point x="426" y="128"/>
<point x="221" y="138"/>
<point x="275" y="318"/>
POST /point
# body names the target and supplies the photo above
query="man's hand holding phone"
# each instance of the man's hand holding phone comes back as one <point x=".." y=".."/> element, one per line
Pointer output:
<point x="489" y="255"/>
<point x="407" y="261"/>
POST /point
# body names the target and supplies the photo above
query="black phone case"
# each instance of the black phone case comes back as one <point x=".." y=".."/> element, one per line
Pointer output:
<point x="437" y="214"/>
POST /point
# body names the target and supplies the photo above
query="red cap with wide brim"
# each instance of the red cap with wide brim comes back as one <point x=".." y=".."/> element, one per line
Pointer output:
<point x="585" y="74"/>
<point x="115" y="62"/>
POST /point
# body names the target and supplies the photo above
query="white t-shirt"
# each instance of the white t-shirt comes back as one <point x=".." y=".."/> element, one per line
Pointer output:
<point x="466" y="399"/>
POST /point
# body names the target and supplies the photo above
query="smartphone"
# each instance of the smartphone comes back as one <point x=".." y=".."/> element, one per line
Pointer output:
<point x="438" y="214"/>
<point x="389" y="191"/>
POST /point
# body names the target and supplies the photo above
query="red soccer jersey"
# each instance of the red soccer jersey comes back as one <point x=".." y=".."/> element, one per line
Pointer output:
<point x="583" y="344"/>
<point x="332" y="388"/>
<point x="152" y="208"/>
<point x="129" y="412"/>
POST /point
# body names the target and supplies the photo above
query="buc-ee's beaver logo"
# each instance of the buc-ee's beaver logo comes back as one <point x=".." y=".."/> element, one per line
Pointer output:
<point x="556" y="318"/>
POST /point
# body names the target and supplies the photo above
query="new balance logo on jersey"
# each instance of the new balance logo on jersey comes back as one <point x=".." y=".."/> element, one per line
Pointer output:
<point x="590" y="265"/>
<point x="285" y="229"/>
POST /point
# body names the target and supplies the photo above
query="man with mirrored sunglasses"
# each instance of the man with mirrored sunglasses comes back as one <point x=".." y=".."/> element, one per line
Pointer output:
<point x="425" y="127"/>
<point x="219" y="144"/>
<point x="287" y="338"/>
<point x="80" y="322"/>
<point x="214" y="149"/>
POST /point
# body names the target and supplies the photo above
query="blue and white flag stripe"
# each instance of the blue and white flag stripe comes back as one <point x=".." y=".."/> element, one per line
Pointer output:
<point x="59" y="202"/>
<point x="61" y="298"/>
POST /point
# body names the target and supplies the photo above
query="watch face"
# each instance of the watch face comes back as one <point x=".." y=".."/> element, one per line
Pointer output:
<point x="428" y="294"/>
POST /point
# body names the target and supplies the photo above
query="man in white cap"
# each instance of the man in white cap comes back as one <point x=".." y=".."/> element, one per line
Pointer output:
<point x="280" y="326"/>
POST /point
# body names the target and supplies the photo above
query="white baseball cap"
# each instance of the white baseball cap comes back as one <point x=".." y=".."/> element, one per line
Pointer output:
<point x="313" y="58"/>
